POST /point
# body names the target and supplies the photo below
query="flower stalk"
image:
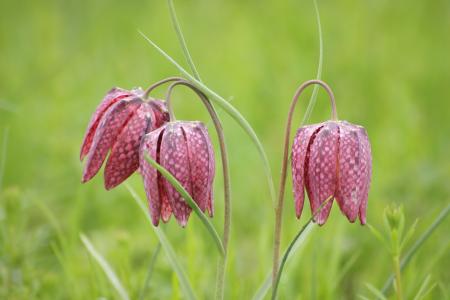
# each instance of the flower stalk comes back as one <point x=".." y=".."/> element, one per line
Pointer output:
<point x="226" y="176"/>
<point x="281" y="191"/>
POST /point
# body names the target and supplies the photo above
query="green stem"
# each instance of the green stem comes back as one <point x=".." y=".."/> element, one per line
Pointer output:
<point x="180" y="189"/>
<point x="291" y="246"/>
<point x="398" y="278"/>
<point x="158" y="83"/>
<point x="280" y="203"/>
<point x="408" y="256"/>
<point x="226" y="177"/>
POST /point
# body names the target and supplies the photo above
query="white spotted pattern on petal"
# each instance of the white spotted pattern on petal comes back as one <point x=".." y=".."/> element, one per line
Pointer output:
<point x="174" y="157"/>
<point x="366" y="173"/>
<point x="299" y="152"/>
<point x="322" y="166"/>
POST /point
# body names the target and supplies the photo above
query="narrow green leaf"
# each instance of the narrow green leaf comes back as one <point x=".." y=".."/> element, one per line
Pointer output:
<point x="379" y="236"/>
<point x="424" y="288"/>
<point x="264" y="288"/>
<point x="180" y="189"/>
<point x="229" y="109"/>
<point x="3" y="154"/>
<point x="313" y="99"/>
<point x="181" y="39"/>
<point x="363" y="297"/>
<point x="408" y="234"/>
<point x="149" y="272"/>
<point x="168" y="249"/>
<point x="106" y="267"/>
<point x="412" y="251"/>
<point x="375" y="291"/>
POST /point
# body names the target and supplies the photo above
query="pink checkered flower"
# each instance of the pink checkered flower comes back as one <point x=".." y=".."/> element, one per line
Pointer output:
<point x="185" y="150"/>
<point x="117" y="126"/>
<point x="332" y="159"/>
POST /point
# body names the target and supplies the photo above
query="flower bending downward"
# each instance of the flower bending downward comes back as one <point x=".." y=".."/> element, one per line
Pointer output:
<point x="185" y="150"/>
<point x="117" y="126"/>
<point x="332" y="159"/>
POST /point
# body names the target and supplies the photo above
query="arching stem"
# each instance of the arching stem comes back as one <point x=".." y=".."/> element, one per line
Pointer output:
<point x="226" y="175"/>
<point x="158" y="83"/>
<point x="280" y="202"/>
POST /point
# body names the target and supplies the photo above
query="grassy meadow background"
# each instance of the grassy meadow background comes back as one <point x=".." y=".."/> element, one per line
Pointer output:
<point x="387" y="61"/>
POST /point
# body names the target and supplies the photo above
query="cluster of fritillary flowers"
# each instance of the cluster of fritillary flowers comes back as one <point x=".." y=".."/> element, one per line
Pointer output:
<point x="128" y="127"/>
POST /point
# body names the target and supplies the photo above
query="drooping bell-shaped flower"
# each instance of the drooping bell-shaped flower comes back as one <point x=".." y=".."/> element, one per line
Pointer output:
<point x="185" y="150"/>
<point x="117" y="126"/>
<point x="332" y="159"/>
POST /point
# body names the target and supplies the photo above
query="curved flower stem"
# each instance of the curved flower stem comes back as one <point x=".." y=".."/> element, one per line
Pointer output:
<point x="280" y="203"/>
<point x="291" y="245"/>
<point x="226" y="175"/>
<point x="158" y="83"/>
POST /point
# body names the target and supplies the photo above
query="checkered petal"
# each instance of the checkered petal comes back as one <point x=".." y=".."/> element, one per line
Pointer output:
<point x="299" y="154"/>
<point x="175" y="158"/>
<point x="321" y="176"/>
<point x="201" y="164"/>
<point x="351" y="171"/>
<point x="113" y="96"/>
<point x="110" y="126"/>
<point x="150" y="145"/>
<point x="124" y="157"/>
<point x="366" y="166"/>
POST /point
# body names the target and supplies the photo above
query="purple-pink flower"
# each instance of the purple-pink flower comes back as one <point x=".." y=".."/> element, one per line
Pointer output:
<point x="185" y="150"/>
<point x="117" y="126"/>
<point x="332" y="159"/>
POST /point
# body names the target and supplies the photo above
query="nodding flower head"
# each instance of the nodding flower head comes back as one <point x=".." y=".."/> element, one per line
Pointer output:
<point x="332" y="159"/>
<point x="185" y="150"/>
<point x="118" y="124"/>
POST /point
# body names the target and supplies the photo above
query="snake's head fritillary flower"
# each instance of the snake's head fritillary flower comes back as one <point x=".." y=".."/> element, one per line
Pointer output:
<point x="332" y="159"/>
<point x="117" y="126"/>
<point x="185" y="150"/>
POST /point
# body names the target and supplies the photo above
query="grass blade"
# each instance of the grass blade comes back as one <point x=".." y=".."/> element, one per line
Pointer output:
<point x="180" y="189"/>
<point x="229" y="109"/>
<point x="3" y="155"/>
<point x="168" y="249"/>
<point x="312" y="100"/>
<point x="180" y="36"/>
<point x="409" y="255"/>
<point x="106" y="267"/>
<point x="150" y="272"/>
<point x="375" y="291"/>
<point x="264" y="288"/>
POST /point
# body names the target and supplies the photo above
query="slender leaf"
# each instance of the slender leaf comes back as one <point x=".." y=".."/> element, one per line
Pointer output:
<point x="106" y="267"/>
<point x="3" y="155"/>
<point x="375" y="291"/>
<point x="150" y="272"/>
<point x="379" y="236"/>
<point x="425" y="288"/>
<point x="180" y="36"/>
<point x="313" y="99"/>
<point x="229" y="109"/>
<point x="180" y="189"/>
<point x="412" y="251"/>
<point x="264" y="288"/>
<point x="168" y="249"/>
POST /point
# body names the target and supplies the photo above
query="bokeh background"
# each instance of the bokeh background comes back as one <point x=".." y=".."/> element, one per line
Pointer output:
<point x="387" y="61"/>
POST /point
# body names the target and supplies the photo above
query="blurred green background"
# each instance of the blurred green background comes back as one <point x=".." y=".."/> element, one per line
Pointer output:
<point x="387" y="61"/>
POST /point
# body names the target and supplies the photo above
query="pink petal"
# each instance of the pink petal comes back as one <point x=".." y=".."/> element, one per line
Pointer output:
<point x="111" y="97"/>
<point x="161" y="112"/>
<point x="366" y="173"/>
<point x="321" y="170"/>
<point x="174" y="157"/>
<point x="299" y="151"/>
<point x="150" y="145"/>
<point x="110" y="126"/>
<point x="124" y="157"/>
<point x="351" y="171"/>
<point x="201" y="163"/>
